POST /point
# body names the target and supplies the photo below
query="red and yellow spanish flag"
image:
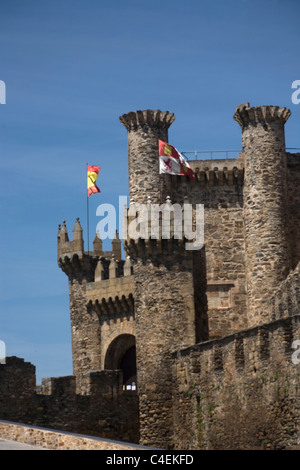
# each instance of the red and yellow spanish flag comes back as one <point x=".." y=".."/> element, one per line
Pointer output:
<point x="92" y="175"/>
<point x="172" y="162"/>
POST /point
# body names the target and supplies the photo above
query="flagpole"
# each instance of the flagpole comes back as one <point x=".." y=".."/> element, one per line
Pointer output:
<point x="87" y="215"/>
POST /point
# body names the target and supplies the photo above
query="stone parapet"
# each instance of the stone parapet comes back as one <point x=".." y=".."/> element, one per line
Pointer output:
<point x="119" y="287"/>
<point x="285" y="301"/>
<point x="163" y="233"/>
<point x="239" y="392"/>
<point x="147" y="118"/>
<point x="96" y="405"/>
<point x="72" y="258"/>
<point x="244" y="114"/>
<point x="218" y="172"/>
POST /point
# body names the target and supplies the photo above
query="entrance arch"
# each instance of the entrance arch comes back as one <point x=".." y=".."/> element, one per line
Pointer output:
<point x="121" y="354"/>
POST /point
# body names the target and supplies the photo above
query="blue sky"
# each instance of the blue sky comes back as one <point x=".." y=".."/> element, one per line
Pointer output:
<point x="71" y="68"/>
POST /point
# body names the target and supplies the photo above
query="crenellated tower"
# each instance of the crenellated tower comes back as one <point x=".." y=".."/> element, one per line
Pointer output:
<point x="166" y="315"/>
<point x="99" y="291"/>
<point x="265" y="204"/>
<point x="235" y="285"/>
<point x="144" y="129"/>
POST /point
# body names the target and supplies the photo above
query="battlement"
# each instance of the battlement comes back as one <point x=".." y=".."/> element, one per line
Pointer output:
<point x="57" y="386"/>
<point x="285" y="301"/>
<point x="233" y="393"/>
<point x="161" y="232"/>
<point x="112" y="298"/>
<point x="64" y="245"/>
<point x="218" y="172"/>
<point x="141" y="119"/>
<point x="98" y="406"/>
<point x="112" y="269"/>
<point x="14" y="361"/>
<point x="248" y="350"/>
<point x="244" y="114"/>
<point x="104" y="383"/>
<point x="72" y="258"/>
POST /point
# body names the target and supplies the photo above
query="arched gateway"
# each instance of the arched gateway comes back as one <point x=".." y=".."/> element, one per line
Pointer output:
<point x="121" y="354"/>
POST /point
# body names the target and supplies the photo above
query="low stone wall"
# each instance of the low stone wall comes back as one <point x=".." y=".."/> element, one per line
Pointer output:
<point x="102" y="409"/>
<point x="56" y="440"/>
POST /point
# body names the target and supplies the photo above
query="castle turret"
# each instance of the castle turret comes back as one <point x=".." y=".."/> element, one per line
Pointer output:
<point x="97" y="245"/>
<point x="145" y="128"/>
<point x="116" y="247"/>
<point x="100" y="289"/>
<point x="265" y="203"/>
<point x="166" y="314"/>
<point x="58" y="242"/>
<point x="77" y="237"/>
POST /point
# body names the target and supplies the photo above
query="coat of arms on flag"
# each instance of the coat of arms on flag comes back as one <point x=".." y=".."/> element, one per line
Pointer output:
<point x="172" y="162"/>
<point x="92" y="175"/>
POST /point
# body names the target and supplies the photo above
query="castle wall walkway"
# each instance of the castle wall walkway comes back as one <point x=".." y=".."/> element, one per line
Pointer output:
<point x="57" y="440"/>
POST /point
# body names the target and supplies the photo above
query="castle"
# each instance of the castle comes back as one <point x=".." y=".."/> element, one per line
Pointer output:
<point x="178" y="348"/>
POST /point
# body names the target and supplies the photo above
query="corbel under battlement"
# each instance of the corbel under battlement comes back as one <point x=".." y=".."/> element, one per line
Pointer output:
<point x="113" y="308"/>
<point x="163" y="232"/>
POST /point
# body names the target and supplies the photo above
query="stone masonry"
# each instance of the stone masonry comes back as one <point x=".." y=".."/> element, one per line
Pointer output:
<point x="265" y="204"/>
<point x="178" y="348"/>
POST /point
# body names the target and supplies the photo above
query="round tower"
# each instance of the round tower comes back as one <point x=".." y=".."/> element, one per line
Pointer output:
<point x="265" y="204"/>
<point x="145" y="128"/>
<point x="167" y="317"/>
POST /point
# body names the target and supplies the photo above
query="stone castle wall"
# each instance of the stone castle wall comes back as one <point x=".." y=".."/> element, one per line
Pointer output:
<point x="112" y="300"/>
<point x="265" y="204"/>
<point x="293" y="185"/>
<point x="168" y="328"/>
<point x="101" y="299"/>
<point x="219" y="187"/>
<point x="213" y="328"/>
<point x="100" y="311"/>
<point x="101" y="409"/>
<point x="285" y="300"/>
<point x="239" y="392"/>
